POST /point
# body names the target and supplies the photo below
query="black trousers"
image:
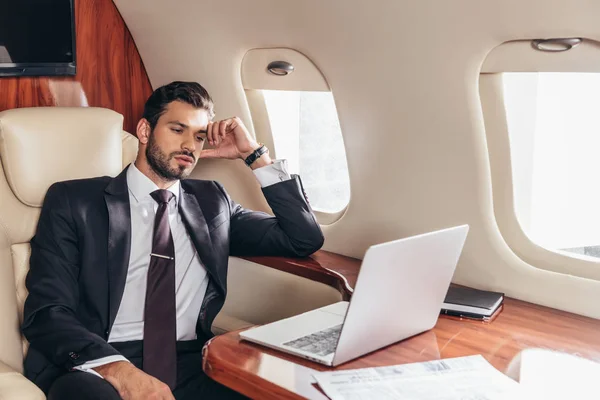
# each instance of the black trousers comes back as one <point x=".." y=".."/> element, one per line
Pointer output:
<point x="192" y="383"/>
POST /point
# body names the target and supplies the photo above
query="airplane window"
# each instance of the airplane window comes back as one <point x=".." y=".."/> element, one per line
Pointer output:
<point x="307" y="133"/>
<point x="554" y="133"/>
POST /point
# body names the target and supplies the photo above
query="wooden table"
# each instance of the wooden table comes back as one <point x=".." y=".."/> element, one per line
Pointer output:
<point x="262" y="373"/>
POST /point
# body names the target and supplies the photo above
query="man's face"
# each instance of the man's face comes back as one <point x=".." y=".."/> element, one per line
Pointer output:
<point x="175" y="144"/>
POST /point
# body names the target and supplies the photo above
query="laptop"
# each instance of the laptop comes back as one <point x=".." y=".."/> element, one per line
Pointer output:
<point x="399" y="293"/>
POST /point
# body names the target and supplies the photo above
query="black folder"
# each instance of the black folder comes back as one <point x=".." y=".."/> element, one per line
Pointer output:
<point x="471" y="303"/>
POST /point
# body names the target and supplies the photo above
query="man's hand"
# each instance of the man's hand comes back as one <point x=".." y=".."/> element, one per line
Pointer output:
<point x="133" y="383"/>
<point x="231" y="140"/>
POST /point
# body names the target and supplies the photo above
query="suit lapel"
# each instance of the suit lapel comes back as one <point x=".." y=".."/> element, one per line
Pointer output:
<point x="119" y="240"/>
<point x="195" y="223"/>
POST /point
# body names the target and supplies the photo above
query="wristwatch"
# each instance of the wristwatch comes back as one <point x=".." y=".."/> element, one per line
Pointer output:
<point x="256" y="154"/>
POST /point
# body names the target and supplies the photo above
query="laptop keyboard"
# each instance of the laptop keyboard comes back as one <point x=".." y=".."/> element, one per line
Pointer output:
<point x="320" y="343"/>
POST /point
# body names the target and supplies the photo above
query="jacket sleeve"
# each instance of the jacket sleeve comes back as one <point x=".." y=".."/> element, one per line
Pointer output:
<point x="49" y="322"/>
<point x="292" y="232"/>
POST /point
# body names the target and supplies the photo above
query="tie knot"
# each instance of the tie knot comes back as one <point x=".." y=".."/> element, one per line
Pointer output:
<point x="162" y="196"/>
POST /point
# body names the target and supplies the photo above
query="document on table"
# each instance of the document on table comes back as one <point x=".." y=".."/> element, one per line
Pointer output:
<point x="462" y="378"/>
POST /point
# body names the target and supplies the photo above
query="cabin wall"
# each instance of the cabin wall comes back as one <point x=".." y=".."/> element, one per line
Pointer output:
<point x="110" y="72"/>
<point x="405" y="78"/>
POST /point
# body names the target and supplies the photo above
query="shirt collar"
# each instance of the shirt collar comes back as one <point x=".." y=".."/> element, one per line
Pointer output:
<point x="140" y="186"/>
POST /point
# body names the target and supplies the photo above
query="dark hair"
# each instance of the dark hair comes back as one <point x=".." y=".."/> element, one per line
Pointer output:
<point x="188" y="92"/>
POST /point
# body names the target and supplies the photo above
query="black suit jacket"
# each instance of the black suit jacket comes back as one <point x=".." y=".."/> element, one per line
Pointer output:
<point x="80" y="255"/>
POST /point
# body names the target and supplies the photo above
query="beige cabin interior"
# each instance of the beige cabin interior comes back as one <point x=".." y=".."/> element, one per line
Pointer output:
<point x="406" y="82"/>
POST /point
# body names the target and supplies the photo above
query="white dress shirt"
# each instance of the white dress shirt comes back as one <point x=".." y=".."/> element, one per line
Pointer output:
<point x="191" y="279"/>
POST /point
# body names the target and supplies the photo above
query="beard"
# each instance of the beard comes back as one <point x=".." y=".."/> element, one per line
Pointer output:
<point x="160" y="162"/>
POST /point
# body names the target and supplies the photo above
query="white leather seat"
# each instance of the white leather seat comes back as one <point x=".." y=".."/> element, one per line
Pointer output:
<point x="40" y="146"/>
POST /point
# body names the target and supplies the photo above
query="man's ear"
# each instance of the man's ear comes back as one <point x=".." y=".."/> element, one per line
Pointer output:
<point x="143" y="131"/>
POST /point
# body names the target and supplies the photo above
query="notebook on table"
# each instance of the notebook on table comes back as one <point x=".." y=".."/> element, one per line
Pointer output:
<point x="471" y="303"/>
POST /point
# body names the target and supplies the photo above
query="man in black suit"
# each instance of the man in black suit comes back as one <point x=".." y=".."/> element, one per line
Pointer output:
<point x="127" y="274"/>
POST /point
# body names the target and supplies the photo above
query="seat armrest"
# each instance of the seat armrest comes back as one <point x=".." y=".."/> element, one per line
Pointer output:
<point x="13" y="385"/>
<point x="335" y="270"/>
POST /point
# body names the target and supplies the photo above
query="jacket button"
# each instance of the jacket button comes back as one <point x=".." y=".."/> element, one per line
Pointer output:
<point x="73" y="356"/>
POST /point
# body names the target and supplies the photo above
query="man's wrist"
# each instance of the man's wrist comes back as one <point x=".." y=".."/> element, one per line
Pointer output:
<point x="111" y="369"/>
<point x="263" y="158"/>
<point x="114" y="373"/>
<point x="261" y="161"/>
<point x="255" y="146"/>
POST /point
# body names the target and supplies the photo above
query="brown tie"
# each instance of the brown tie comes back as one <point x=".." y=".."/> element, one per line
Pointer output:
<point x="160" y="354"/>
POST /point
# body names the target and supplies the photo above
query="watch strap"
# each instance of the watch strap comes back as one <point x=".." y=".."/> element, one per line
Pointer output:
<point x="256" y="154"/>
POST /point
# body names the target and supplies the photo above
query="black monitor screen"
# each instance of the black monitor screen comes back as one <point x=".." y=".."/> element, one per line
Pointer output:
<point x="36" y="32"/>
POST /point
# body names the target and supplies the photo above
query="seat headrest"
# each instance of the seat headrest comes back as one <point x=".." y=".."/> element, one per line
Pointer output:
<point x="43" y="145"/>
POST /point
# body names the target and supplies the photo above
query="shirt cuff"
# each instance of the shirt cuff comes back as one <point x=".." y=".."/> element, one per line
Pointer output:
<point x="87" y="366"/>
<point x="272" y="173"/>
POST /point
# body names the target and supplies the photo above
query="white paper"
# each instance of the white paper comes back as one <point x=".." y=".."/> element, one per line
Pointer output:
<point x="554" y="375"/>
<point x="462" y="378"/>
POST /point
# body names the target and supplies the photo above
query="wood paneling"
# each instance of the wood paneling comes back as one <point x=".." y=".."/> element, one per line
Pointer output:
<point x="332" y="269"/>
<point x="110" y="72"/>
<point x="268" y="374"/>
